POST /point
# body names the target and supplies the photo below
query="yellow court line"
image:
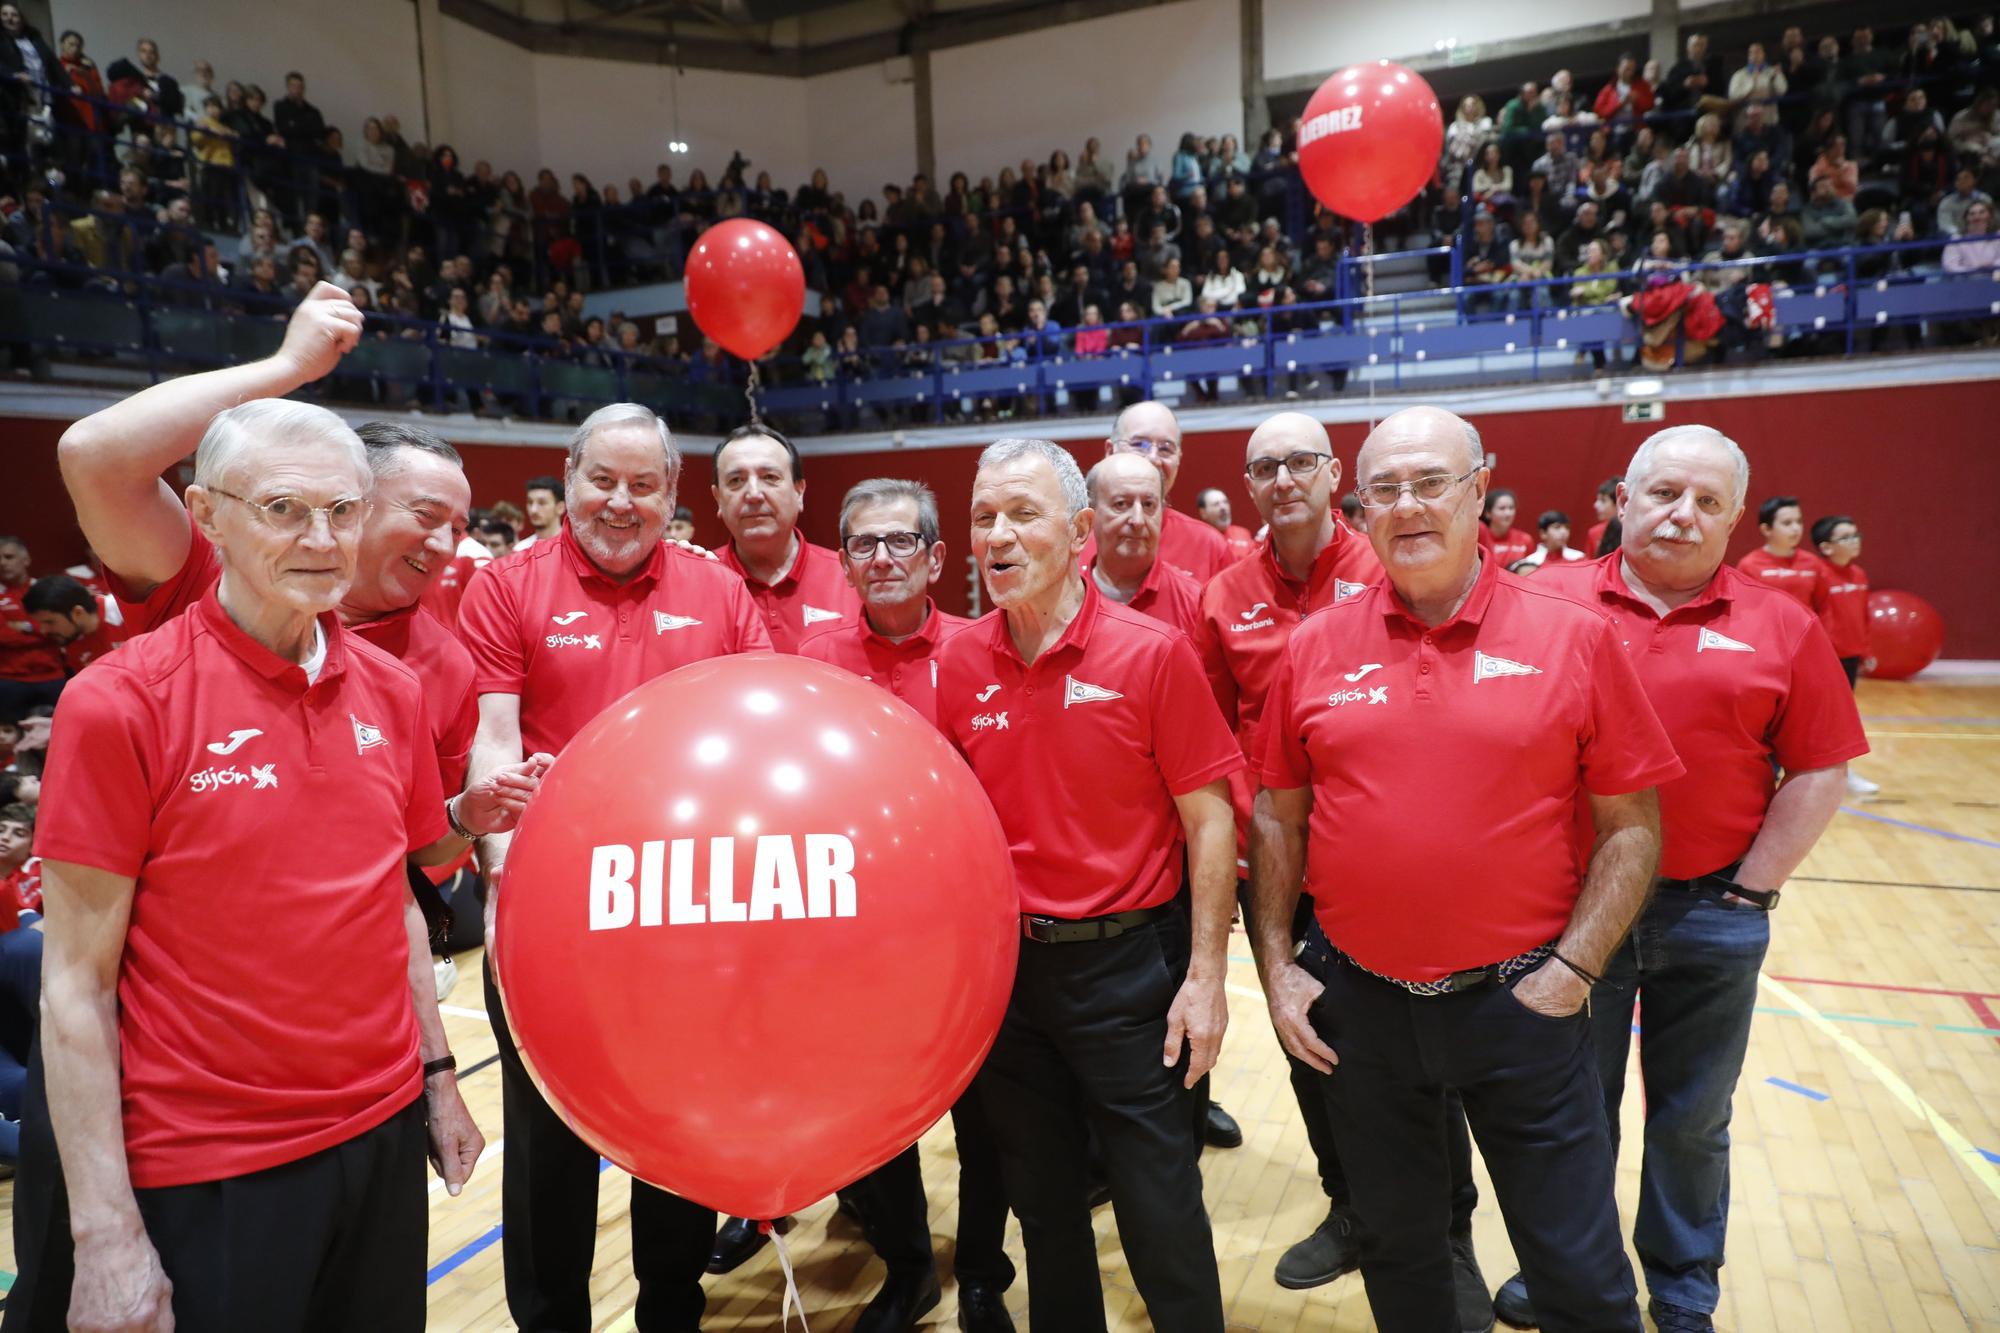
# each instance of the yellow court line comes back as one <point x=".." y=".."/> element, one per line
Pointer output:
<point x="1932" y="736"/>
<point x="1961" y="1147"/>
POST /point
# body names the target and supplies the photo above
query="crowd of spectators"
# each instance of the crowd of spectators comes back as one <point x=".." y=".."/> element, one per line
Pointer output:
<point x="243" y="203"/>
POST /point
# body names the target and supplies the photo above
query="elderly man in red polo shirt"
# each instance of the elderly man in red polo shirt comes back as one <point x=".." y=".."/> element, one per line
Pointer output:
<point x="1428" y="743"/>
<point x="1128" y="505"/>
<point x="1093" y="732"/>
<point x="1747" y="683"/>
<point x="1307" y="561"/>
<point x="268" y="1170"/>
<point x="890" y="544"/>
<point x="558" y="632"/>
<point x="1195" y="548"/>
<point x="759" y="491"/>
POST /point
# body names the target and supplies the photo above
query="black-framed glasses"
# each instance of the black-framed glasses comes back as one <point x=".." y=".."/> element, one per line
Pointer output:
<point x="1428" y="490"/>
<point x="1301" y="464"/>
<point x="862" y="545"/>
<point x="292" y="515"/>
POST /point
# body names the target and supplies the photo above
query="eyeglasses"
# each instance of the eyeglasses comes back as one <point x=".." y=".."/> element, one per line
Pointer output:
<point x="1139" y="444"/>
<point x="1301" y="464"/>
<point x="1845" y="538"/>
<point x="1428" y="490"/>
<point x="902" y="545"/>
<point x="291" y="515"/>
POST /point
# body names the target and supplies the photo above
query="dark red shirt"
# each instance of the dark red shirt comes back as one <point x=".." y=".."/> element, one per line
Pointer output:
<point x="814" y="591"/>
<point x="1447" y="766"/>
<point x="907" y="670"/>
<point x="263" y="1000"/>
<point x="1084" y="751"/>
<point x="549" y="626"/>
<point x="1740" y="676"/>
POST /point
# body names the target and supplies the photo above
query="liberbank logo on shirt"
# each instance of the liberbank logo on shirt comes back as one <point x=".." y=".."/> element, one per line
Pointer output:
<point x="791" y="877"/>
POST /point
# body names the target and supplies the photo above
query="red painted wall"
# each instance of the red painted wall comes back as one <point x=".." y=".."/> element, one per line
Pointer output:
<point x="1916" y="467"/>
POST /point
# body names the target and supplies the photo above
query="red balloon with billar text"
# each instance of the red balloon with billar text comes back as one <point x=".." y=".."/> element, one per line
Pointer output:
<point x="745" y="286"/>
<point x="756" y="932"/>
<point x="1369" y="140"/>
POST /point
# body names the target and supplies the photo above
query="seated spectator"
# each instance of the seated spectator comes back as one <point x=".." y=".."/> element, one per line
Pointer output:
<point x="1532" y="258"/>
<point x="1606" y="189"/>
<point x="1749" y="192"/>
<point x="1560" y="166"/>
<point x="1159" y="249"/>
<point x="1965" y="192"/>
<point x="1976" y="248"/>
<point x="1583" y="229"/>
<point x="1319" y="276"/>
<point x="1596" y="281"/>
<point x="1696" y="82"/>
<point x="1223" y="285"/>
<point x="1270" y="274"/>
<point x="1758" y="84"/>
<point x="1486" y="263"/>
<point x="1709" y="154"/>
<point x="1130" y="287"/>
<point x="1760" y="131"/>
<point x="1834" y="165"/>
<point x="1463" y="140"/>
<point x="1975" y="131"/>
<point x="1492" y="179"/>
<point x="1172" y="293"/>
<point x="882" y="323"/>
<point x="1627" y="98"/>
<point x="1662" y="221"/>
<point x="1828" y="219"/>
<point x="1913" y="125"/>
<point x="1040" y="336"/>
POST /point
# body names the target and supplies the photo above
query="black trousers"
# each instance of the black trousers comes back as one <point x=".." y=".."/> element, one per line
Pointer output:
<point x="44" y="1254"/>
<point x="331" y="1242"/>
<point x="548" y="1209"/>
<point x="896" y="1212"/>
<point x="1080" y="1050"/>
<point x="1317" y="957"/>
<point x="1852" y="666"/>
<point x="1531" y="1094"/>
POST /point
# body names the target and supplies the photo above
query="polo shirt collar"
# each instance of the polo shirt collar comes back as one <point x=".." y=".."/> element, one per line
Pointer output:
<point x="1322" y="565"/>
<point x="1155" y="576"/>
<point x="1611" y="580"/>
<point x="1076" y="635"/>
<point x="925" y="637"/>
<point x="789" y="577"/>
<point x="581" y="565"/>
<point x="261" y="659"/>
<point x="1471" y="613"/>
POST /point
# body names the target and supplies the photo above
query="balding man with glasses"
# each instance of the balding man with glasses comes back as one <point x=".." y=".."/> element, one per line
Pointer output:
<point x="1427" y="746"/>
<point x="1188" y="544"/>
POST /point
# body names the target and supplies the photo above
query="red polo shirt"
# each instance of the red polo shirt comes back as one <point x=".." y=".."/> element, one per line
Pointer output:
<point x="263" y="999"/>
<point x="814" y="591"/>
<point x="412" y="635"/>
<point x="1084" y="751"/>
<point x="1846" y="613"/>
<point x="24" y="654"/>
<point x="81" y="651"/>
<point x="1240" y="541"/>
<point x="548" y="625"/>
<point x="1800" y="575"/>
<point x="1167" y="595"/>
<point x="445" y="592"/>
<point x="1515" y="545"/>
<point x="907" y="670"/>
<point x="1739" y="676"/>
<point x="1248" y="613"/>
<point x="1594" y="536"/>
<point x="1188" y="544"/>
<point x="1447" y="767"/>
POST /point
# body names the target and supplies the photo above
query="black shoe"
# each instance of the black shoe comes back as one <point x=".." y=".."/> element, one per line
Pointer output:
<point x="738" y="1240"/>
<point x="901" y="1302"/>
<point x="1678" y="1318"/>
<point x="1511" y="1303"/>
<point x="1333" y="1248"/>
<point x="1221" y="1131"/>
<point x="1475" y="1304"/>
<point x="982" y="1310"/>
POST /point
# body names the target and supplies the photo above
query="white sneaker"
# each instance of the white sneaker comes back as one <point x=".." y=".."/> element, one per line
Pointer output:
<point x="447" y="976"/>
<point x="1861" y="786"/>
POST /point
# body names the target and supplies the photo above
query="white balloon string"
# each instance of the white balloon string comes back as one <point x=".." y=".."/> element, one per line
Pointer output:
<point x="792" y="1296"/>
<point x="1367" y="310"/>
<point x="750" y="392"/>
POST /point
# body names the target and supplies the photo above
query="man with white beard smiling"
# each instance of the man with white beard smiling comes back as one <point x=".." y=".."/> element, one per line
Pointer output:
<point x="1745" y="681"/>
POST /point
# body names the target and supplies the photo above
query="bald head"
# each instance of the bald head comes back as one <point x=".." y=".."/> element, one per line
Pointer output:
<point x="1121" y="470"/>
<point x="1149" y="428"/>
<point x="1433" y="425"/>
<point x="1293" y="477"/>
<point x="1429" y="547"/>
<point x="1292" y="431"/>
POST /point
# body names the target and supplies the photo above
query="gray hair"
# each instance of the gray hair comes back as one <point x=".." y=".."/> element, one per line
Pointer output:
<point x="241" y="430"/>
<point x="625" y="414"/>
<point x="389" y="444"/>
<point x="888" y="490"/>
<point x="1475" y="447"/>
<point x="1090" y="478"/>
<point x="1069" y="477"/>
<point x="1642" y="461"/>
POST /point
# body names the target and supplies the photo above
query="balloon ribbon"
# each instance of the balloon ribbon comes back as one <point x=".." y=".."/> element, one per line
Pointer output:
<point x="750" y="392"/>
<point x="792" y="1296"/>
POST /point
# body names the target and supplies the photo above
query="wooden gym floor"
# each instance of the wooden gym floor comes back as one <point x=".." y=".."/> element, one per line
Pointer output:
<point x="1866" y="1187"/>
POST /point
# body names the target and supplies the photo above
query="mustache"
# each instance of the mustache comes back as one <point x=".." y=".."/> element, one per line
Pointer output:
<point x="1670" y="531"/>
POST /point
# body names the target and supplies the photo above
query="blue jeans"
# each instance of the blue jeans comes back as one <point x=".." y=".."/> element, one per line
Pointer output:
<point x="1694" y="961"/>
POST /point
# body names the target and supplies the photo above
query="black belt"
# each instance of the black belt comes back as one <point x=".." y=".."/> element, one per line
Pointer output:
<point x="1721" y="886"/>
<point x="1472" y="978"/>
<point x="1059" y="930"/>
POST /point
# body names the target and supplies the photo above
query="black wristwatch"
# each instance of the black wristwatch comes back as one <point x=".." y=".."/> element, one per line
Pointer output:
<point x="1763" y="899"/>
<point x="444" y="1064"/>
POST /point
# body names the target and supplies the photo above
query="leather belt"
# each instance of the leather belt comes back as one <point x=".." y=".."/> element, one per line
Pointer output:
<point x="1060" y="930"/>
<point x="1472" y="978"/>
<point x="1721" y="885"/>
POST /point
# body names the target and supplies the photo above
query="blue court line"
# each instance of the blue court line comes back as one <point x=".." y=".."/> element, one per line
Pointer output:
<point x="459" y="1256"/>
<point x="1977" y="1032"/>
<point x="1920" y="828"/>
<point x="1990" y="1155"/>
<point x="477" y="1243"/>
<point x="1800" y="1089"/>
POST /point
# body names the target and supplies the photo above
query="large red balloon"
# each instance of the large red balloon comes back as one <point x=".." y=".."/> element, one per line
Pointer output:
<point x="757" y="932"/>
<point x="1369" y="139"/>
<point x="1905" y="634"/>
<point x="745" y="286"/>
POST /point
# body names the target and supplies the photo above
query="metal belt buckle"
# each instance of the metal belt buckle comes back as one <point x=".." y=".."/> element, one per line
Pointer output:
<point x="1031" y="923"/>
<point x="1466" y="980"/>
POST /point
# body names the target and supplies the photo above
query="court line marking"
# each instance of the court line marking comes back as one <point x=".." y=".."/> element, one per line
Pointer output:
<point x="1937" y="721"/>
<point x="462" y="1012"/>
<point x="1932" y="736"/>
<point x="1895" y="884"/>
<point x="1885" y="986"/>
<point x="1972" y="1159"/>
<point x="1799" y="1088"/>
<point x="462" y="1253"/>
<point x="1921" y="828"/>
